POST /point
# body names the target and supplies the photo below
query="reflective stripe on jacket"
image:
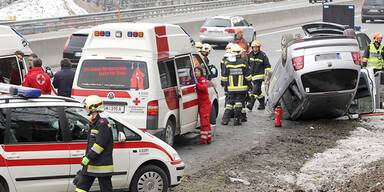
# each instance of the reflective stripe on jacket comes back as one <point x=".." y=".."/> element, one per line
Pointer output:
<point x="375" y="59"/>
<point x="99" y="148"/>
<point x="258" y="63"/>
<point x="237" y="75"/>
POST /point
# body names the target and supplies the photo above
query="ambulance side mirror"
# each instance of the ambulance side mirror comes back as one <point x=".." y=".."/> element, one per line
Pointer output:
<point x="213" y="70"/>
<point x="121" y="137"/>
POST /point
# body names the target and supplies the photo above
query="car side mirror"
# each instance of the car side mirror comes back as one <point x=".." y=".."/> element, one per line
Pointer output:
<point x="48" y="70"/>
<point x="213" y="70"/>
<point x="121" y="137"/>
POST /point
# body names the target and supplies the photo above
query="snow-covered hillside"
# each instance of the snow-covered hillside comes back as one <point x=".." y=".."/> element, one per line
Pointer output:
<point x="36" y="9"/>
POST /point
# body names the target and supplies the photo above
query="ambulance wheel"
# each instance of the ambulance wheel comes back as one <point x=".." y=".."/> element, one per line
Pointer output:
<point x="149" y="178"/>
<point x="212" y="117"/>
<point x="169" y="136"/>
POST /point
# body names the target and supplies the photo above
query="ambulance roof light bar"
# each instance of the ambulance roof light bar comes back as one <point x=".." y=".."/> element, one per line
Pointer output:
<point x="20" y="91"/>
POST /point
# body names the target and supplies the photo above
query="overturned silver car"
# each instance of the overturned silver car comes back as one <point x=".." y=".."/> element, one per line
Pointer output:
<point x="317" y="75"/>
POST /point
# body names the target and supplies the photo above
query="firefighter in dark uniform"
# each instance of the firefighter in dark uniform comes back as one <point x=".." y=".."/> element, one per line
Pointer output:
<point x="223" y="64"/>
<point x="98" y="161"/>
<point x="237" y="77"/>
<point x="259" y="64"/>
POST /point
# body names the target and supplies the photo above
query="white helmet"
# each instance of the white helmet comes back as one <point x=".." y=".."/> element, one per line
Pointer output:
<point x="94" y="103"/>
<point x="206" y="48"/>
<point x="198" y="46"/>
<point x="236" y="50"/>
<point x="228" y="48"/>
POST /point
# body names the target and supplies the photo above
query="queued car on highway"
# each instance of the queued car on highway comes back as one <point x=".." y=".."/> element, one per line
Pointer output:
<point x="43" y="139"/>
<point x="372" y="10"/>
<point x="318" y="75"/>
<point x="320" y="1"/>
<point x="74" y="45"/>
<point x="220" y="30"/>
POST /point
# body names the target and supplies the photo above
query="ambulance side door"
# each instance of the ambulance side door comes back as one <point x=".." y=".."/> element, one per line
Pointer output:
<point x="35" y="153"/>
<point x="188" y="100"/>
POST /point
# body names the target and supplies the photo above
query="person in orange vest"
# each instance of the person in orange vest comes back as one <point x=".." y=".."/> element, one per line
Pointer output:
<point x="205" y="50"/>
<point x="238" y="39"/>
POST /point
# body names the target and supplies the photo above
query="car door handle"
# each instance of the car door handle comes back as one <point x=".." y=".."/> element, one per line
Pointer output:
<point x="78" y="154"/>
<point x="13" y="156"/>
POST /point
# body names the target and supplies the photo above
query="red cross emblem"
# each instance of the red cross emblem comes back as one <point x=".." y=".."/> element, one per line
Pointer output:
<point x="136" y="101"/>
<point x="40" y="79"/>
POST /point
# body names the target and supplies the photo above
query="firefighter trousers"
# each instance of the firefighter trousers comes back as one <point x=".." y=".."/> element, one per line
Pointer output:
<point x="205" y="130"/>
<point x="235" y="105"/>
<point x="85" y="182"/>
<point x="256" y="93"/>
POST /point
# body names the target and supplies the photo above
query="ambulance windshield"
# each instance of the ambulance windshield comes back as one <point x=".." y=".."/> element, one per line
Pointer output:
<point x="113" y="75"/>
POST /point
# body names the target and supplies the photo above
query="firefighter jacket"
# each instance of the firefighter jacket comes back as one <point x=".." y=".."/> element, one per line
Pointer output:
<point x="37" y="78"/>
<point x="99" y="148"/>
<point x="258" y="63"/>
<point x="373" y="56"/>
<point x="237" y="76"/>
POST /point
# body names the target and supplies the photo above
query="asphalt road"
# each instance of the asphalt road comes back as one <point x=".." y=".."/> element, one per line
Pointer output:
<point x="260" y="128"/>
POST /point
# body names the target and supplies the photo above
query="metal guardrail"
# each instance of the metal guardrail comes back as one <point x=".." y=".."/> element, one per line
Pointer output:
<point x="54" y="24"/>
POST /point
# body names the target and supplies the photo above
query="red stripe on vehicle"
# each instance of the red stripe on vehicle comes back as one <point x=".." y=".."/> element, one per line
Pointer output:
<point x="171" y="98"/>
<point x="100" y="93"/>
<point x="188" y="90"/>
<point x="65" y="161"/>
<point x="176" y="162"/>
<point x="162" y="43"/>
<point x="45" y="147"/>
<point x="189" y="104"/>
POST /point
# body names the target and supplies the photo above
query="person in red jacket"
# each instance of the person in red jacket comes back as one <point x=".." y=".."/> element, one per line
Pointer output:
<point x="204" y="106"/>
<point x="37" y="78"/>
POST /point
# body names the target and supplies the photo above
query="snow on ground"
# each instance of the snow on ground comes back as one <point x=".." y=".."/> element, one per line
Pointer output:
<point x="348" y="158"/>
<point x="36" y="9"/>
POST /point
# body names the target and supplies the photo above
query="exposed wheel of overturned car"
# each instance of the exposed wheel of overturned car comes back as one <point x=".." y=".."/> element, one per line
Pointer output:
<point x="285" y="39"/>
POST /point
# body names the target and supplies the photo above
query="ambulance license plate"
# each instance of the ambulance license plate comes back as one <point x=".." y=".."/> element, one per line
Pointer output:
<point x="115" y="108"/>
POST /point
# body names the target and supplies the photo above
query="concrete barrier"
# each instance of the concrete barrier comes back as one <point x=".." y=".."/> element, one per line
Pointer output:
<point x="51" y="49"/>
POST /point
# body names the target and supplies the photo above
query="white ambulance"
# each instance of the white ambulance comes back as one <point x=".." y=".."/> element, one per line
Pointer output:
<point x="144" y="73"/>
<point x="11" y="71"/>
<point x="43" y="139"/>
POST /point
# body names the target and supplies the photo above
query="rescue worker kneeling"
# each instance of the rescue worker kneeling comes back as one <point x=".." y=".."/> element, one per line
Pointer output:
<point x="259" y="64"/>
<point x="98" y="161"/>
<point x="238" y="78"/>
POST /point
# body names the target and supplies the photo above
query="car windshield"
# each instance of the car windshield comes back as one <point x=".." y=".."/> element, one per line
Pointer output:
<point x="374" y="2"/>
<point x="77" y="40"/>
<point x="216" y="22"/>
<point x="113" y="74"/>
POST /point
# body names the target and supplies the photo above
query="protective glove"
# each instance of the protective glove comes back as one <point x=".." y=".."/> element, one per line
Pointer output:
<point x="85" y="161"/>
<point x="194" y="80"/>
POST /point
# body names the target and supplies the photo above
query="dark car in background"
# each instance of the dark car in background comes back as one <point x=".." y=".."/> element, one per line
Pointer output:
<point x="372" y="10"/>
<point x="74" y="45"/>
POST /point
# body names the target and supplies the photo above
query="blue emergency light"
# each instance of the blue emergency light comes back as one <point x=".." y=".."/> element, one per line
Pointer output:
<point x="357" y="28"/>
<point x="20" y="91"/>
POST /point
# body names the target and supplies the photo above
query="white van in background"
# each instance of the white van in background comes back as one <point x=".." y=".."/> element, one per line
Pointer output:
<point x="144" y="73"/>
<point x="11" y="71"/>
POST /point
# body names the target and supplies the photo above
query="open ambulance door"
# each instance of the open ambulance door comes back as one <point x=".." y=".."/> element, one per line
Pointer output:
<point x="364" y="101"/>
<point x="188" y="100"/>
